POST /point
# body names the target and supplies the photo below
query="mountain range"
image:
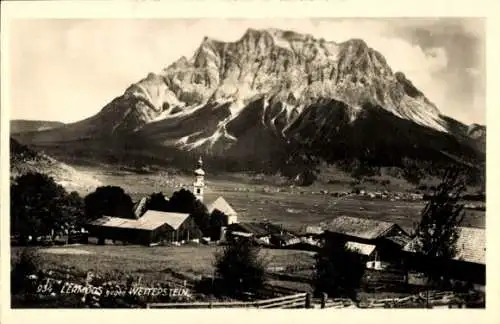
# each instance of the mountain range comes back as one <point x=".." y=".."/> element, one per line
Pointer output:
<point x="270" y="99"/>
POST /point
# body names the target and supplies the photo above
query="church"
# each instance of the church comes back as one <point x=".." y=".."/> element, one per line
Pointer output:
<point x="153" y="227"/>
<point x="219" y="204"/>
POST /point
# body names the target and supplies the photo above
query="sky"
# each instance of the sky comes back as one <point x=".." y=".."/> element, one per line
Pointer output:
<point x="68" y="70"/>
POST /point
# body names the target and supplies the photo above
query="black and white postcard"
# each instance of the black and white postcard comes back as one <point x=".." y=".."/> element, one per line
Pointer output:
<point x="204" y="162"/>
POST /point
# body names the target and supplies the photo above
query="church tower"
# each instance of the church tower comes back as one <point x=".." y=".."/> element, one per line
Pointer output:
<point x="199" y="181"/>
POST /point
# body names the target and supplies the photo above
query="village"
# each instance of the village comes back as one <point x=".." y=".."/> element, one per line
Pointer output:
<point x="388" y="251"/>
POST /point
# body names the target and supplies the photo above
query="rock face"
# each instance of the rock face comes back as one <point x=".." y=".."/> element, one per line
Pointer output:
<point x="478" y="133"/>
<point x="267" y="92"/>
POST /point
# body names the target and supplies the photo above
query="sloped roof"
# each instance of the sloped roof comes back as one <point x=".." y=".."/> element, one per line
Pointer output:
<point x="109" y="221"/>
<point x="257" y="229"/>
<point x="309" y="230"/>
<point x="243" y="234"/>
<point x="153" y="219"/>
<point x="401" y="240"/>
<point x="314" y="230"/>
<point x="365" y="249"/>
<point x="470" y="245"/>
<point x="359" y="227"/>
<point x="222" y="205"/>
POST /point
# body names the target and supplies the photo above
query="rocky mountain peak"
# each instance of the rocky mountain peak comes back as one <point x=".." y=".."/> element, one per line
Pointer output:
<point x="283" y="71"/>
<point x="272" y="92"/>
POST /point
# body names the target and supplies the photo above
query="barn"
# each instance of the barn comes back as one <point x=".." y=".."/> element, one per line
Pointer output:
<point x="153" y="227"/>
<point x="380" y="242"/>
<point x="469" y="263"/>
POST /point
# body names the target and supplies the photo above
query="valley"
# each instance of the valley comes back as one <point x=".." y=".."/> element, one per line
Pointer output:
<point x="262" y="198"/>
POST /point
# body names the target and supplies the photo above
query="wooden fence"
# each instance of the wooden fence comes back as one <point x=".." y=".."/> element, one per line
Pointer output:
<point x="336" y="303"/>
<point x="302" y="300"/>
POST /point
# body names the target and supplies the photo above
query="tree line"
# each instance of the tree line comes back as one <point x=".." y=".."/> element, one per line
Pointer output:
<point x="39" y="206"/>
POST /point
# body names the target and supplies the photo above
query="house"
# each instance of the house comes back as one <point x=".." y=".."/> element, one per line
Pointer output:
<point x="284" y="239"/>
<point x="468" y="264"/>
<point x="310" y="238"/>
<point x="311" y="231"/>
<point x="380" y="242"/>
<point x="223" y="206"/>
<point x="260" y="233"/>
<point x="152" y="227"/>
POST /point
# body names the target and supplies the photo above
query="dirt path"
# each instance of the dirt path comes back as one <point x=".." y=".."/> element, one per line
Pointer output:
<point x="65" y="251"/>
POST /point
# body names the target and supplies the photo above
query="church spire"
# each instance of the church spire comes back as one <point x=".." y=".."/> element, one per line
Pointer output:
<point x="199" y="181"/>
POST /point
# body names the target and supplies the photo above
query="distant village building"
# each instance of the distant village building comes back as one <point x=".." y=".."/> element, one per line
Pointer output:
<point x="151" y="228"/>
<point x="310" y="238"/>
<point x="257" y="232"/>
<point x="469" y="263"/>
<point x="199" y="182"/>
<point x="262" y="233"/>
<point x="379" y="241"/>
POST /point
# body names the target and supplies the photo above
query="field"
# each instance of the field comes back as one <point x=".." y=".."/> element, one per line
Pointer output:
<point x="153" y="264"/>
<point x="258" y="199"/>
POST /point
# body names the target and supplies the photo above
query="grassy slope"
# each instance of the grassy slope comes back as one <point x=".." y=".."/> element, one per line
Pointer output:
<point x="21" y="125"/>
<point x="24" y="159"/>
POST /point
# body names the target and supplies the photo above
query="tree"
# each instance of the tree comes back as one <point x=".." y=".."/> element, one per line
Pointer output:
<point x="240" y="269"/>
<point x="39" y="205"/>
<point x="157" y="201"/>
<point x="436" y="233"/>
<point x="338" y="270"/>
<point x="217" y="220"/>
<point x="413" y="171"/>
<point x="75" y="208"/>
<point x="109" y="201"/>
<point x="183" y="201"/>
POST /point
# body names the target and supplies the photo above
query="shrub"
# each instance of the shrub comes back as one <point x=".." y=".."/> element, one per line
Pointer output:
<point x="27" y="263"/>
<point x="338" y="271"/>
<point x="240" y="269"/>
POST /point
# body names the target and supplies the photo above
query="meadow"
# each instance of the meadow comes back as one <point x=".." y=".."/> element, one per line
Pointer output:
<point x="151" y="264"/>
<point x="257" y="199"/>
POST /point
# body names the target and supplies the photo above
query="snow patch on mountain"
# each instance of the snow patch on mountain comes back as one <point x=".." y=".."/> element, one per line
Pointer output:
<point x="291" y="71"/>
